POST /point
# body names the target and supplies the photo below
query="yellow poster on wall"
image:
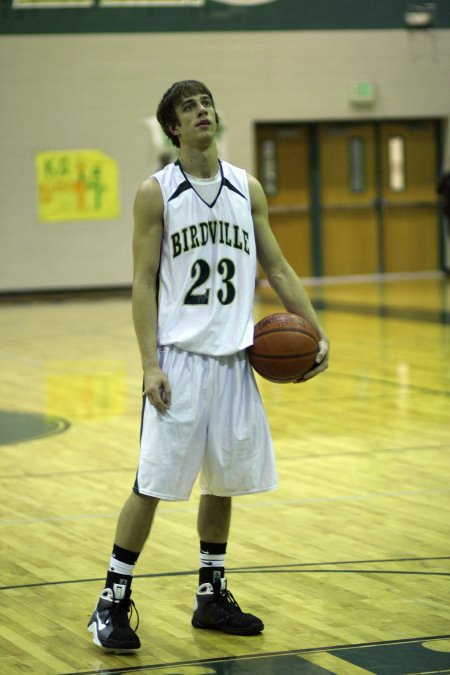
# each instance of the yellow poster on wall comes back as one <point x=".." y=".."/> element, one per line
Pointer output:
<point x="77" y="185"/>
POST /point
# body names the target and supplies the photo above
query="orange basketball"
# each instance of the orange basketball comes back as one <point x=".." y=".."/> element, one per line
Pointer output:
<point x="284" y="347"/>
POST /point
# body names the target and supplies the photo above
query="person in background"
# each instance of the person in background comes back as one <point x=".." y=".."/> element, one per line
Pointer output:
<point x="444" y="190"/>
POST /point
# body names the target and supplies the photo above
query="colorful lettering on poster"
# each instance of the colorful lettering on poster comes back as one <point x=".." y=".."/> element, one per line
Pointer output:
<point x="77" y="185"/>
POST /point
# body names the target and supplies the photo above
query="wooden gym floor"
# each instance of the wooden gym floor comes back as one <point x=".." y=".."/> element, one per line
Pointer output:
<point x="347" y="562"/>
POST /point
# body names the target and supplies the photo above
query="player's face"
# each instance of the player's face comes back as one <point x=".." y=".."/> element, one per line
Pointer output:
<point x="196" y="120"/>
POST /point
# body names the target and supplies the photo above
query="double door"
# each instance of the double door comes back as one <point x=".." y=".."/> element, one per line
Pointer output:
<point x="353" y="198"/>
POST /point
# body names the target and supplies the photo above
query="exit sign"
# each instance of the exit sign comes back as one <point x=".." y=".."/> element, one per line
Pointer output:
<point x="362" y="93"/>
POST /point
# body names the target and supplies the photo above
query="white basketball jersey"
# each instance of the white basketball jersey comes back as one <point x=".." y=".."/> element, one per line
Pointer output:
<point x="208" y="264"/>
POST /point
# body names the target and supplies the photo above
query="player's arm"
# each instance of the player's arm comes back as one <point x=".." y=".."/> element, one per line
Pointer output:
<point x="148" y="227"/>
<point x="280" y="274"/>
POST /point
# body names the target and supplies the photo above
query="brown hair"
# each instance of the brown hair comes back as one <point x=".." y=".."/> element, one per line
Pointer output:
<point x="174" y="95"/>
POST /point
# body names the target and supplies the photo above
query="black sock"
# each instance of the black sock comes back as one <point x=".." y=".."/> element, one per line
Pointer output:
<point x="120" y="571"/>
<point x="212" y="562"/>
<point x="123" y="555"/>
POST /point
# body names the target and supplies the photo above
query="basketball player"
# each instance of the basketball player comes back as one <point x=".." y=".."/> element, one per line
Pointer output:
<point x="444" y="191"/>
<point x="200" y="224"/>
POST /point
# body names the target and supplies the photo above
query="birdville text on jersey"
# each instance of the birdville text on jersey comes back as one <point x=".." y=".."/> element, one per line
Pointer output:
<point x="215" y="231"/>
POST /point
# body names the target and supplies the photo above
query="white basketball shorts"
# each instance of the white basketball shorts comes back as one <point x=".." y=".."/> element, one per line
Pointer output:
<point x="216" y="427"/>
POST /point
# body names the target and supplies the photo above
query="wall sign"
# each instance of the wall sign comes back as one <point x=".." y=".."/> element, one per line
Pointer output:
<point x="76" y="185"/>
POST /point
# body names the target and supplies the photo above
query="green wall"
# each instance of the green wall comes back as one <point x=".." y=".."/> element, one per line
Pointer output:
<point x="215" y="16"/>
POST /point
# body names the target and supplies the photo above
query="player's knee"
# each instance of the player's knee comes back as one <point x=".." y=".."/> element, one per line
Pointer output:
<point x="146" y="502"/>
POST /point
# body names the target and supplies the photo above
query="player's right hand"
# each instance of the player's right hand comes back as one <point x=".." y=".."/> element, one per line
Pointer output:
<point x="157" y="389"/>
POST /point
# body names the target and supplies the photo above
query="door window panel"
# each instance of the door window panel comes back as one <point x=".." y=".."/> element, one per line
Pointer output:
<point x="268" y="168"/>
<point x="396" y="164"/>
<point x="357" y="164"/>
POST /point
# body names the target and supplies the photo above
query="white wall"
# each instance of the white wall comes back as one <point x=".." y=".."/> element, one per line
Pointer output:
<point x="92" y="91"/>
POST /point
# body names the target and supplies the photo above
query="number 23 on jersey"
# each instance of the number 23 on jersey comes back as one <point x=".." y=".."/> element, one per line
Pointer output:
<point x="199" y="294"/>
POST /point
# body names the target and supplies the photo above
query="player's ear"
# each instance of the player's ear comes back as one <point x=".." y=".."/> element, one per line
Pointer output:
<point x="174" y="127"/>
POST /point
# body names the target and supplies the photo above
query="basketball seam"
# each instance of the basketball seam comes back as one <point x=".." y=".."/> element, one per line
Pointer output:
<point x="284" y="356"/>
<point x="287" y="330"/>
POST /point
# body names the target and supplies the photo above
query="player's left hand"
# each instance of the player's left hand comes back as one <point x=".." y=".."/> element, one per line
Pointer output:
<point x="321" y="361"/>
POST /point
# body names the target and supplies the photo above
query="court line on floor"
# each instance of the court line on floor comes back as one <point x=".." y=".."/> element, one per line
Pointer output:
<point x="391" y="383"/>
<point x="416" y="314"/>
<point x="363" y="453"/>
<point x="249" y="657"/>
<point x="281" y="457"/>
<point x="8" y="522"/>
<point x="271" y="569"/>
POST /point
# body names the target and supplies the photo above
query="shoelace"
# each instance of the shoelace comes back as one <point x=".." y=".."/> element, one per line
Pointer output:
<point x="227" y="600"/>
<point x="121" y="611"/>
